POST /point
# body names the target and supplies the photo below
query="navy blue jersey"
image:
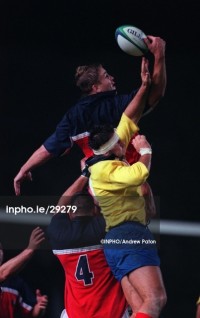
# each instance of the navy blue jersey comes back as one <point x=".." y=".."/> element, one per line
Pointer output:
<point x="100" y="108"/>
<point x="90" y="287"/>
<point x="82" y="231"/>
<point x="16" y="298"/>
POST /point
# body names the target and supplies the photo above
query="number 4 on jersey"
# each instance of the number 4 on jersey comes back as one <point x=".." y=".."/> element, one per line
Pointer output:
<point x="83" y="270"/>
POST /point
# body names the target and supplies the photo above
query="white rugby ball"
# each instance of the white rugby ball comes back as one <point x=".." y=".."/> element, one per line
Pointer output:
<point x="130" y="40"/>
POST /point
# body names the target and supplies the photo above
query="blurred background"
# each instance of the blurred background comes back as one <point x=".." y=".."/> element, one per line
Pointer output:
<point x="41" y="44"/>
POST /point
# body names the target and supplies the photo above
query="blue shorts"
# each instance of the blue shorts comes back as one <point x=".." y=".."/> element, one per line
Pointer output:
<point x="129" y="246"/>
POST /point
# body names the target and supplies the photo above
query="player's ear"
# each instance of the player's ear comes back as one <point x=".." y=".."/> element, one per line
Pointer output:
<point x="96" y="88"/>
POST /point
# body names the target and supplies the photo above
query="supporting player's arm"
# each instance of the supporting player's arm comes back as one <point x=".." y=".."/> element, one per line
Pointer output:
<point x="144" y="149"/>
<point x="78" y="186"/>
<point x="135" y="108"/>
<point x="17" y="262"/>
<point x="150" y="207"/>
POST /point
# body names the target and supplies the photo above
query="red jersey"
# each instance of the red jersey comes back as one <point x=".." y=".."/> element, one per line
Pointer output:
<point x="91" y="290"/>
<point x="132" y="155"/>
<point x="16" y="299"/>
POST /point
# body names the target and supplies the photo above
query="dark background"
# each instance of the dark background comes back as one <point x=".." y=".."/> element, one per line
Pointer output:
<point x="41" y="44"/>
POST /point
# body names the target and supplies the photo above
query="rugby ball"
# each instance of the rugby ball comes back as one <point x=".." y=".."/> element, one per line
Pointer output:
<point x="130" y="40"/>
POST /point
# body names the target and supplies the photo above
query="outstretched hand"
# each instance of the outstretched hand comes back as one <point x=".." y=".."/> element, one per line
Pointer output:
<point x="156" y="45"/>
<point x="20" y="177"/>
<point x="36" y="238"/>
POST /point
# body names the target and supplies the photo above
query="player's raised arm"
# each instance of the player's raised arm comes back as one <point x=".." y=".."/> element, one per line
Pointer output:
<point x="135" y="108"/>
<point x="156" y="46"/>
<point x="17" y="262"/>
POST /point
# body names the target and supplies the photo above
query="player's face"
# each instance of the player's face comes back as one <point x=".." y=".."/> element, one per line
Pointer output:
<point x="119" y="149"/>
<point x="106" y="81"/>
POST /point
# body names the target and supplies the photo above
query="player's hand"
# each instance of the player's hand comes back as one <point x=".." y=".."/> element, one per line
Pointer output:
<point x="156" y="45"/>
<point x="84" y="168"/>
<point x="140" y="142"/>
<point x="41" y="305"/>
<point x="20" y="177"/>
<point x="42" y="300"/>
<point x="82" y="162"/>
<point x="36" y="238"/>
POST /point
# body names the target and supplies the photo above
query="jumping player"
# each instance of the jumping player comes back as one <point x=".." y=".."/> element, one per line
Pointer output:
<point x="117" y="187"/>
<point x="100" y="104"/>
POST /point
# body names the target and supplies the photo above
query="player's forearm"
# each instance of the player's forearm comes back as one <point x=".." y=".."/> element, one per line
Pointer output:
<point x="150" y="207"/>
<point x="40" y="156"/>
<point x="135" y="108"/>
<point x="146" y="160"/>
<point x="77" y="186"/>
<point x="159" y="81"/>
<point x="15" y="264"/>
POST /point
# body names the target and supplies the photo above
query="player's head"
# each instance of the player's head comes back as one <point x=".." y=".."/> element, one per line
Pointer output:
<point x="84" y="203"/>
<point x="93" y="78"/>
<point x="103" y="140"/>
<point x="1" y="254"/>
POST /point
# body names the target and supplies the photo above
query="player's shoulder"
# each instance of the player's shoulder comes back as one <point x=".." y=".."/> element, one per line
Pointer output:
<point x="14" y="282"/>
<point x="99" y="219"/>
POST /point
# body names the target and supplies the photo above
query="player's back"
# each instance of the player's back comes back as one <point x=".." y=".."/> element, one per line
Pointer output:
<point x="91" y="290"/>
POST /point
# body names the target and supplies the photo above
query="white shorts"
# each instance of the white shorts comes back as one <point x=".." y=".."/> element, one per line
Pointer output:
<point x="126" y="314"/>
<point x="64" y="314"/>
